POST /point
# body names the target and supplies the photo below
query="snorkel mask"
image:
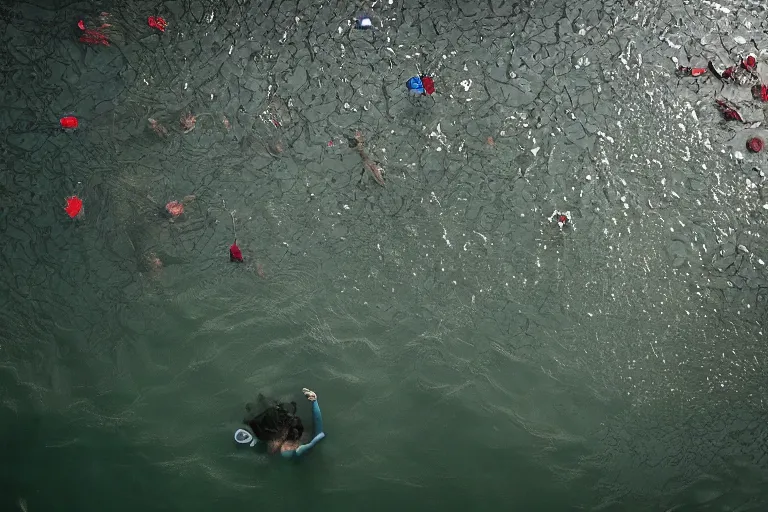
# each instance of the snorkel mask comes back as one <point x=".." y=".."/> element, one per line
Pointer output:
<point x="244" y="437"/>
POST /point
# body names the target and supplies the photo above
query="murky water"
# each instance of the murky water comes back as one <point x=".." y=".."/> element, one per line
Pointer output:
<point x="468" y="351"/>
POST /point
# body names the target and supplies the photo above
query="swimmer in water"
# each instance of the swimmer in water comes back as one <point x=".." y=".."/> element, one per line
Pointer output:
<point x="368" y="162"/>
<point x="280" y="429"/>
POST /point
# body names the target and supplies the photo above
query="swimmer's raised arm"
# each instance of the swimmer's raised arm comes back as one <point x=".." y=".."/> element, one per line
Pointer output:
<point x="317" y="419"/>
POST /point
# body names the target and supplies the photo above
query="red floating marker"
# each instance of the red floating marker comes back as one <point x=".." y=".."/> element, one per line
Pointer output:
<point x="755" y="144"/>
<point x="74" y="206"/>
<point x="729" y="112"/>
<point x="562" y="220"/>
<point x="81" y="25"/>
<point x="157" y="22"/>
<point x="68" y="122"/>
<point x="729" y="72"/>
<point x="174" y="208"/>
<point x="234" y="253"/>
<point x="94" y="37"/>
<point x="760" y="92"/>
<point x="428" y="83"/>
<point x="686" y="71"/>
<point x="750" y="63"/>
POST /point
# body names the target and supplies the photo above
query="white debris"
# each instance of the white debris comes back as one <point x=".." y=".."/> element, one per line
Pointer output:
<point x="717" y="7"/>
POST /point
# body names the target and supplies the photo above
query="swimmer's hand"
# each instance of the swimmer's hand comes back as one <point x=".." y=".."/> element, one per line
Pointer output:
<point x="311" y="395"/>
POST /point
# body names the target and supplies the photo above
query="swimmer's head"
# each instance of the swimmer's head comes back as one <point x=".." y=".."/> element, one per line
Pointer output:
<point x="295" y="429"/>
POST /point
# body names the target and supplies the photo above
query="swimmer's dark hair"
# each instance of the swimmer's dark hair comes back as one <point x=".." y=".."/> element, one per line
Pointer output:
<point x="275" y="421"/>
<point x="295" y="430"/>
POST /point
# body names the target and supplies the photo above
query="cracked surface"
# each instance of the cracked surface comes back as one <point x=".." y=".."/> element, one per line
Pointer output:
<point x="619" y="360"/>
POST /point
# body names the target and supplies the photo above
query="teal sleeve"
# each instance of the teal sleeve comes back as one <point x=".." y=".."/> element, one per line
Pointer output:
<point x="317" y="419"/>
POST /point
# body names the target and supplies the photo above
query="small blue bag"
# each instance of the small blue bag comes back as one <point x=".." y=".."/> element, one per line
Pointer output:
<point x="415" y="85"/>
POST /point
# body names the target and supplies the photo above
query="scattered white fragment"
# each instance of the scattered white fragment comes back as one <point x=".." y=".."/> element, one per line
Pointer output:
<point x="535" y="151"/>
<point x="231" y="47"/>
<point x="717" y="7"/>
<point x="589" y="177"/>
<point x="670" y="43"/>
<point x="606" y="137"/>
<point x="466" y="84"/>
<point x="738" y="155"/>
<point x="739" y="40"/>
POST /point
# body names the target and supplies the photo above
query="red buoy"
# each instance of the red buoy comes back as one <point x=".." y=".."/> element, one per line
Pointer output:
<point x="157" y="22"/>
<point x="429" y="84"/>
<point x="234" y="253"/>
<point x="68" y="122"/>
<point x="74" y="206"/>
<point x="755" y="144"/>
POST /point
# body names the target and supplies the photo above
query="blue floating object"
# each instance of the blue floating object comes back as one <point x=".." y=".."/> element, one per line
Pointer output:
<point x="415" y="85"/>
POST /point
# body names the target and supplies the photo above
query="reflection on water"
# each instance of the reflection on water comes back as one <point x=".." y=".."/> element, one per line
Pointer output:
<point x="458" y="330"/>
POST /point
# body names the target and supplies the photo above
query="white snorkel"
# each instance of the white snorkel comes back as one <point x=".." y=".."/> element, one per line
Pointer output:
<point x="244" y="437"/>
